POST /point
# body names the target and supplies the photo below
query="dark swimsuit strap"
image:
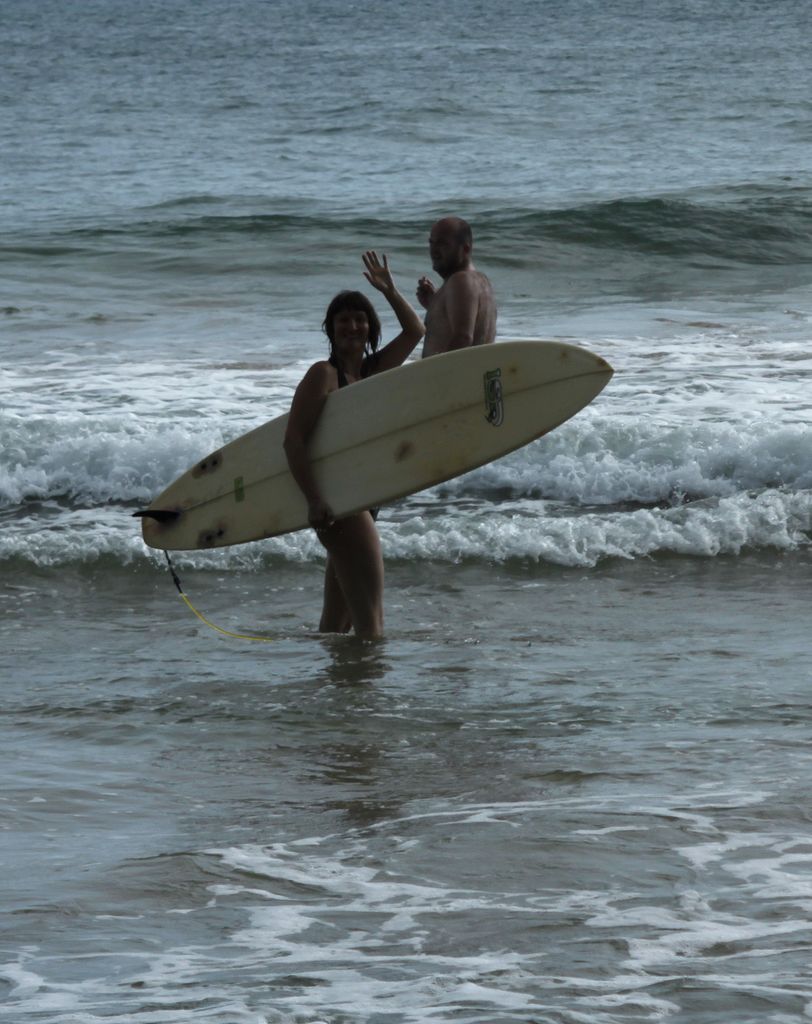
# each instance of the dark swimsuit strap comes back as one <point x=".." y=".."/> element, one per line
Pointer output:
<point x="342" y="378"/>
<point x="366" y="366"/>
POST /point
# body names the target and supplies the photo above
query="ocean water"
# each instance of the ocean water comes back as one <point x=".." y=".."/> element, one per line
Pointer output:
<point x="571" y="785"/>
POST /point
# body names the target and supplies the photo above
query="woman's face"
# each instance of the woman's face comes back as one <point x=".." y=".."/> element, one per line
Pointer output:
<point x="350" y="332"/>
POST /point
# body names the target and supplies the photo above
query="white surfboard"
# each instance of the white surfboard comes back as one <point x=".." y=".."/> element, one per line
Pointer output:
<point x="390" y="435"/>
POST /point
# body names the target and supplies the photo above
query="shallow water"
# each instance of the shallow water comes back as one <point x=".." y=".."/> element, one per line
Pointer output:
<point x="582" y="799"/>
<point x="570" y="785"/>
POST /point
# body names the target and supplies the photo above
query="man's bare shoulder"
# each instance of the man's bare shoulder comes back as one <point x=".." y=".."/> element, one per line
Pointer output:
<point x="465" y="280"/>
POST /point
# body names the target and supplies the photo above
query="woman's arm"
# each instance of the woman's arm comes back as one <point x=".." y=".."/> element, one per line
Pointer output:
<point x="305" y="410"/>
<point x="399" y="348"/>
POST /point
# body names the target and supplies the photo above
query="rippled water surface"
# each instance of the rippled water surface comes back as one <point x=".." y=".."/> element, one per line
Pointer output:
<point x="571" y="785"/>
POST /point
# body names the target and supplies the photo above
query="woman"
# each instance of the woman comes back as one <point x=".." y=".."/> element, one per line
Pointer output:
<point x="353" y="581"/>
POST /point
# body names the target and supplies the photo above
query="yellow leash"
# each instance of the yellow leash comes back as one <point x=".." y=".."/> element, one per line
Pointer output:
<point x="211" y="625"/>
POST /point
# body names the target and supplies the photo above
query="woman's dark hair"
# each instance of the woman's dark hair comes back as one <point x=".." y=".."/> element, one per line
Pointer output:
<point x="358" y="303"/>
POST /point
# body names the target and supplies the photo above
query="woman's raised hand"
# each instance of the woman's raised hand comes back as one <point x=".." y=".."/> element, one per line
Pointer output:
<point x="377" y="273"/>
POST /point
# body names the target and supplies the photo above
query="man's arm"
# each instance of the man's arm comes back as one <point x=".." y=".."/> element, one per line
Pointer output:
<point x="461" y="305"/>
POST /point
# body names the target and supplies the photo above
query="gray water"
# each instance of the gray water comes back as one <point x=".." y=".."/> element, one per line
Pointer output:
<point x="586" y="800"/>
<point x="571" y="783"/>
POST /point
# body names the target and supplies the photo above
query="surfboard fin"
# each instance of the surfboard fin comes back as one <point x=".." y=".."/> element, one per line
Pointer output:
<point x="160" y="515"/>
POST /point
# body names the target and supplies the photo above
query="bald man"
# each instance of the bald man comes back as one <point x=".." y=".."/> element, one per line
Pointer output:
<point x="462" y="311"/>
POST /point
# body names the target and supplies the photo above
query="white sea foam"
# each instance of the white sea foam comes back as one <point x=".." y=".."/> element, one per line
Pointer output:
<point x="341" y="925"/>
<point x="377" y="920"/>
<point x="23" y="982"/>
<point x="579" y="496"/>
<point x="771" y="520"/>
<point x="118" y="457"/>
<point x="374" y="919"/>
<point x="777" y="868"/>
<point x="666" y="461"/>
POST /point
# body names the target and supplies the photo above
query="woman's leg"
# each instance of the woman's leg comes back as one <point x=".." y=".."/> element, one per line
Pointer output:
<point x="357" y="564"/>
<point x="335" y="615"/>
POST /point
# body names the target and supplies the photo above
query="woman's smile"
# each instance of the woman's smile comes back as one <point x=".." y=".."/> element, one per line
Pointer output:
<point x="351" y="328"/>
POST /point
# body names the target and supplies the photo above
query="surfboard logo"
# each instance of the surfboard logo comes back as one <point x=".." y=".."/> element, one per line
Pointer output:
<point x="494" y="406"/>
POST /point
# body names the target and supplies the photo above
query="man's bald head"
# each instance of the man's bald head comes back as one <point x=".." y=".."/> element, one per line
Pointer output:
<point x="450" y="245"/>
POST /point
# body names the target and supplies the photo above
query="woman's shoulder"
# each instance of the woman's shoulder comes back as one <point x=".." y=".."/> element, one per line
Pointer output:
<point x="319" y="379"/>
<point x="322" y="370"/>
